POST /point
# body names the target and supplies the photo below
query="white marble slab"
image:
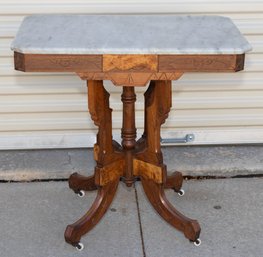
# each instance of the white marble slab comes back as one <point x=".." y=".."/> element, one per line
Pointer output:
<point x="129" y="34"/>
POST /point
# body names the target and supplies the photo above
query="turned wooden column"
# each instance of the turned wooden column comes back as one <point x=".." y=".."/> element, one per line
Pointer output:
<point x="128" y="132"/>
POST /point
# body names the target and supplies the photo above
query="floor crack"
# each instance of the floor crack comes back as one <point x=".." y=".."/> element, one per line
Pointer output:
<point x="185" y="177"/>
<point x="140" y="222"/>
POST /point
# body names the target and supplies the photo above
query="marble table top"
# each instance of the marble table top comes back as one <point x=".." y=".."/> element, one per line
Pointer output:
<point x="129" y="34"/>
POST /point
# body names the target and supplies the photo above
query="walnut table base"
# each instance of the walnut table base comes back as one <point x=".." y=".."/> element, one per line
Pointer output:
<point x="131" y="161"/>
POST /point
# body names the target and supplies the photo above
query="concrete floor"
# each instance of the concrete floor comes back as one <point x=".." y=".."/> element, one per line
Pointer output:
<point x="34" y="215"/>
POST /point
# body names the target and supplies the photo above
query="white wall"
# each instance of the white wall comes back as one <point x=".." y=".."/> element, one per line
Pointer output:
<point x="41" y="110"/>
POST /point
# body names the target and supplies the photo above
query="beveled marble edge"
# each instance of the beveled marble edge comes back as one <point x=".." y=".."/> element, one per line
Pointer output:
<point x="131" y="51"/>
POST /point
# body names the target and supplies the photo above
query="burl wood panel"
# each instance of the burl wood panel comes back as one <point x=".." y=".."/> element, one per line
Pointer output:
<point x="148" y="170"/>
<point x="109" y="172"/>
<point x="130" y="62"/>
<point x="57" y="62"/>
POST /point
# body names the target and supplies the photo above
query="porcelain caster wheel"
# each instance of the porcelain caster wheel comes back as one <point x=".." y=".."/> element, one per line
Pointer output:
<point x="81" y="193"/>
<point x="181" y="192"/>
<point x="79" y="246"/>
<point x="197" y="242"/>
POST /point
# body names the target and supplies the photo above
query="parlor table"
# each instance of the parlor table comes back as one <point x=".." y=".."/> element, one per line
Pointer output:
<point x="129" y="50"/>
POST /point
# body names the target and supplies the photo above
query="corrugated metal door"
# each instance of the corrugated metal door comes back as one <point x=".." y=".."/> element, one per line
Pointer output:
<point x="41" y="110"/>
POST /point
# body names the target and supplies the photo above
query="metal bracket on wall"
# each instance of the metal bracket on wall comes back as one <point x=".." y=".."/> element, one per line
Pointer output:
<point x="188" y="138"/>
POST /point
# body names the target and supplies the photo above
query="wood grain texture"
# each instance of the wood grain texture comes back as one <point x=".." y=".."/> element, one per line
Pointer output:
<point x="130" y="79"/>
<point x="128" y="132"/>
<point x="130" y="160"/>
<point x="96" y="150"/>
<point x="109" y="172"/>
<point x="200" y="63"/>
<point x="78" y="182"/>
<point x="19" y="61"/>
<point x="174" y="181"/>
<point x="148" y="170"/>
<point x="109" y="168"/>
<point x="130" y="62"/>
<point x="109" y="161"/>
<point x="100" y="112"/>
<point x="158" y="102"/>
<point x="99" y="67"/>
<point x="156" y="196"/>
<point x="57" y="62"/>
<point x="240" y="62"/>
<point x="105" y="195"/>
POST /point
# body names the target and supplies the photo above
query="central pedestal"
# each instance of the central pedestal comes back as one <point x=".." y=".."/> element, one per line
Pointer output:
<point x="130" y="161"/>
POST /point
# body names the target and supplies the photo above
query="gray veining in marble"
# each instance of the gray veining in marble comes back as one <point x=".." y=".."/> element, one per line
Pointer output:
<point x="129" y="34"/>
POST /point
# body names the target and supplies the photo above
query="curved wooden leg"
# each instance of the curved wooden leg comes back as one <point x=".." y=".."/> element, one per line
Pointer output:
<point x="78" y="182"/>
<point x="174" y="181"/>
<point x="75" y="231"/>
<point x="155" y="194"/>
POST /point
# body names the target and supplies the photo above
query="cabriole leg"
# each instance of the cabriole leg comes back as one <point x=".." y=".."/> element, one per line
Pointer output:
<point x="109" y="168"/>
<point x="150" y="160"/>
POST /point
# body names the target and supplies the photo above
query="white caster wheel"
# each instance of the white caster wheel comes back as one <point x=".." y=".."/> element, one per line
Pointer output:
<point x="197" y="242"/>
<point x="79" y="246"/>
<point x="181" y="192"/>
<point x="81" y="193"/>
